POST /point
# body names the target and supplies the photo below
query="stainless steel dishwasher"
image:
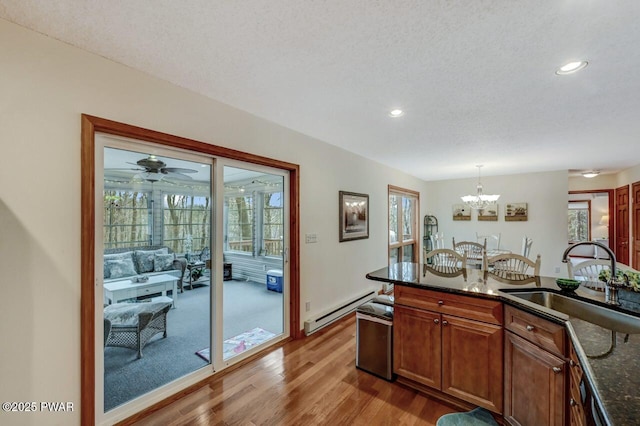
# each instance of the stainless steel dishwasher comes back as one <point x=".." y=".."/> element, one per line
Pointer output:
<point x="374" y="339"/>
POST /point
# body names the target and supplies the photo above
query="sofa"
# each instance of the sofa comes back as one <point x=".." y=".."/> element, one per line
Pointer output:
<point x="123" y="263"/>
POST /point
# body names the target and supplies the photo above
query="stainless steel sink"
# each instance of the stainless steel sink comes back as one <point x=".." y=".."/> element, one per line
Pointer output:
<point x="590" y="312"/>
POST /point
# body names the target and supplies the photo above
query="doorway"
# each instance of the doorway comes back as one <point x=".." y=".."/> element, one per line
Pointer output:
<point x="92" y="287"/>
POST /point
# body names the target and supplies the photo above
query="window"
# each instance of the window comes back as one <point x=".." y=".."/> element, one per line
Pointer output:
<point x="240" y="223"/>
<point x="579" y="219"/>
<point x="126" y="219"/>
<point x="186" y="215"/>
<point x="403" y="225"/>
<point x="272" y="224"/>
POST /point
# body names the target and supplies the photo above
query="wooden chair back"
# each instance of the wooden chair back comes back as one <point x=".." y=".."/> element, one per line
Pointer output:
<point x="589" y="272"/>
<point x="526" y="246"/>
<point x="444" y="260"/>
<point x="475" y="252"/>
<point x="492" y="241"/>
<point x="514" y="263"/>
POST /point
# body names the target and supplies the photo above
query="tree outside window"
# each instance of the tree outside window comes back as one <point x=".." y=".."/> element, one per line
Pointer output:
<point x="126" y="219"/>
<point x="579" y="221"/>
<point x="272" y="224"/>
<point x="240" y="223"/>
<point x="186" y="215"/>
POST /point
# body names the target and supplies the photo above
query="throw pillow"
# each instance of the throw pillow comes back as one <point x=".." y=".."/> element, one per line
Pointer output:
<point x="120" y="268"/>
<point x="163" y="262"/>
<point x="115" y="256"/>
<point x="144" y="259"/>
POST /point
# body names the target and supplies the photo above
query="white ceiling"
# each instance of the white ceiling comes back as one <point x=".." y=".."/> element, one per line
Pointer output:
<point x="476" y="78"/>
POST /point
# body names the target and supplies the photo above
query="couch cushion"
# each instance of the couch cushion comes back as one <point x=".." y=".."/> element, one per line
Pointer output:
<point x="118" y="256"/>
<point x="120" y="268"/>
<point x="163" y="262"/>
<point x="145" y="258"/>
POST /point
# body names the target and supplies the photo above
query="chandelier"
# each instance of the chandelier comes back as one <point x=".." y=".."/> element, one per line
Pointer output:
<point x="480" y="200"/>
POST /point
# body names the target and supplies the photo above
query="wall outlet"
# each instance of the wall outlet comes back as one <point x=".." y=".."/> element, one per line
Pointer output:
<point x="557" y="269"/>
<point x="310" y="238"/>
<point x="307" y="306"/>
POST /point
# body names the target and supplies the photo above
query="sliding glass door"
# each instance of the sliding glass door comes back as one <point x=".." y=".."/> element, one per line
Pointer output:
<point x="253" y="251"/>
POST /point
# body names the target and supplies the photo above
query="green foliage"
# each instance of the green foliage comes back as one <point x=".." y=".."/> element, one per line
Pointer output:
<point x="634" y="278"/>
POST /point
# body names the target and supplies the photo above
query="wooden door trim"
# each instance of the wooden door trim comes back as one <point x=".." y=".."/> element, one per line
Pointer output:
<point x="89" y="126"/>
<point x="635" y="226"/>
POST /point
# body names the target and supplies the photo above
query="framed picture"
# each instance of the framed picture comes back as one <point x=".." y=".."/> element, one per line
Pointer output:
<point x="516" y="212"/>
<point x="461" y="212"/>
<point x="354" y="216"/>
<point x="490" y="213"/>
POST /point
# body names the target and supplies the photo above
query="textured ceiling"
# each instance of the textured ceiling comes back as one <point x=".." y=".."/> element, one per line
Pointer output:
<point x="476" y="78"/>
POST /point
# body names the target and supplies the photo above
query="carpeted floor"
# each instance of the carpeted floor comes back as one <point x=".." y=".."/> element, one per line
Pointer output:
<point x="247" y="305"/>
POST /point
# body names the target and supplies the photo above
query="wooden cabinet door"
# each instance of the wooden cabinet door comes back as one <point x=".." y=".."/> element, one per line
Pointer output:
<point x="472" y="367"/>
<point x="417" y="345"/>
<point x="534" y="384"/>
<point x="622" y="224"/>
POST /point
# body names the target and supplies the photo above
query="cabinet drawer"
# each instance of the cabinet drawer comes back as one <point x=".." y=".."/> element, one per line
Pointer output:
<point x="574" y="365"/>
<point x="470" y="307"/>
<point x="548" y="335"/>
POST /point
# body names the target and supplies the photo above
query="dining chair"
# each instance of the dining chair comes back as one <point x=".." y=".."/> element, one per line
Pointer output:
<point x="475" y="252"/>
<point x="493" y="240"/>
<point x="526" y="246"/>
<point x="444" y="260"/>
<point x="513" y="263"/>
<point x="437" y="240"/>
<point x="589" y="272"/>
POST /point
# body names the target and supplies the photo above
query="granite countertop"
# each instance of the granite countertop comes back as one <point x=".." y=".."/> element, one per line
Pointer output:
<point x="613" y="378"/>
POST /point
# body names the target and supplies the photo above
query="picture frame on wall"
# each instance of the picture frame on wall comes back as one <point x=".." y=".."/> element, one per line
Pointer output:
<point x="516" y="212"/>
<point x="354" y="216"/>
<point x="461" y="212"/>
<point x="489" y="213"/>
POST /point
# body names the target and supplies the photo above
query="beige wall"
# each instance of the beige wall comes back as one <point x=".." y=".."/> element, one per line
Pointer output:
<point x="546" y="195"/>
<point x="45" y="86"/>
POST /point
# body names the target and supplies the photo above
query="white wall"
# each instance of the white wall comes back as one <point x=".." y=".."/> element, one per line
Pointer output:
<point x="45" y="86"/>
<point x="546" y="195"/>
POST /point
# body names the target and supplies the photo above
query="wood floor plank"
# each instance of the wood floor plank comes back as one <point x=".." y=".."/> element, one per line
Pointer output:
<point x="310" y="381"/>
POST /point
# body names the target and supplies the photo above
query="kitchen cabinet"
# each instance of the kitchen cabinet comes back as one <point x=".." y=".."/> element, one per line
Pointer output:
<point x="535" y="370"/>
<point x="576" y="389"/>
<point x="450" y="343"/>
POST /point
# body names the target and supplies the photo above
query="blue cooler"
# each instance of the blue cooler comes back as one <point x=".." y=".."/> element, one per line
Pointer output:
<point x="274" y="280"/>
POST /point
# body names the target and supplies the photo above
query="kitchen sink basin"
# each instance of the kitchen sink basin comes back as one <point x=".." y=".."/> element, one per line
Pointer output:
<point x="586" y="311"/>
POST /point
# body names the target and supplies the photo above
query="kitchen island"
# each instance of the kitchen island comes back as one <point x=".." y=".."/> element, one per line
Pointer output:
<point x="465" y="316"/>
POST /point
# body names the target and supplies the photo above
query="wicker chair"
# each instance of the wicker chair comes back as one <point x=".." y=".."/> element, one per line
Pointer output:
<point x="133" y="324"/>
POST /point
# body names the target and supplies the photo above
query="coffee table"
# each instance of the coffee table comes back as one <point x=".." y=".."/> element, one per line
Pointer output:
<point x="116" y="291"/>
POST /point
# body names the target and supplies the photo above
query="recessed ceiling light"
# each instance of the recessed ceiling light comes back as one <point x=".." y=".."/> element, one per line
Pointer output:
<point x="396" y="113"/>
<point x="591" y="174"/>
<point x="571" y="67"/>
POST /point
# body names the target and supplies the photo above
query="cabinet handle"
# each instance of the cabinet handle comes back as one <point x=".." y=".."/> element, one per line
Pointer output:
<point x="557" y="370"/>
<point x="436" y="321"/>
<point x="572" y="363"/>
<point x="572" y="402"/>
<point x="440" y="302"/>
<point x="445" y="322"/>
<point x="530" y="328"/>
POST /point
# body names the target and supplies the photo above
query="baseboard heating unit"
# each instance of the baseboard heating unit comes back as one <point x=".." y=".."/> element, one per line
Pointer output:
<point x="314" y="324"/>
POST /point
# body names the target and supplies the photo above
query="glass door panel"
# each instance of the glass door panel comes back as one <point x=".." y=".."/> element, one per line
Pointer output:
<point x="156" y="239"/>
<point x="254" y="235"/>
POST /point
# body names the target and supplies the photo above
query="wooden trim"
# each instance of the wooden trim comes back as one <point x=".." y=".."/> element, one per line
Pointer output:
<point x="91" y="125"/>
<point x="87" y="275"/>
<point x="414" y="241"/>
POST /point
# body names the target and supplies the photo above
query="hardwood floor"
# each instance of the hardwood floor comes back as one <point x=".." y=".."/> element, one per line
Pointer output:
<point x="311" y="381"/>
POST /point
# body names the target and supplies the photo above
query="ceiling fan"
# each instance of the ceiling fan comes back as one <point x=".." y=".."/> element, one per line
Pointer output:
<point x="152" y="170"/>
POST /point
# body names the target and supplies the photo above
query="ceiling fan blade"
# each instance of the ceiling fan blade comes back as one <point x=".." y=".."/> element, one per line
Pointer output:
<point x="178" y="170"/>
<point x="177" y="176"/>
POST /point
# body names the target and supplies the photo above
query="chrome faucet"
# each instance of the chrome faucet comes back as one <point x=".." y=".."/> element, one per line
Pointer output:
<point x="611" y="287"/>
